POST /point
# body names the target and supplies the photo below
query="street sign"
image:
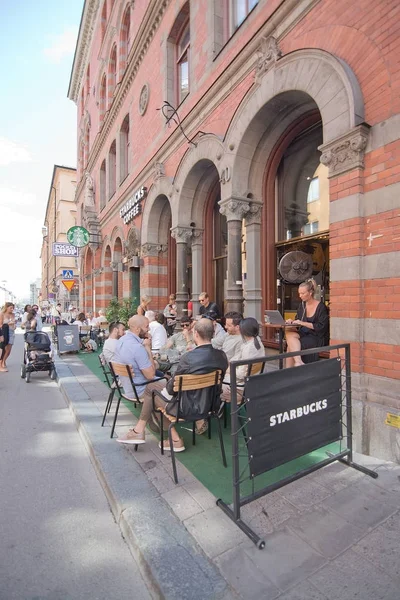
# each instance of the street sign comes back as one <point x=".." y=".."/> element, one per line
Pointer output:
<point x="68" y="283"/>
<point x="68" y="274"/>
<point x="78" y="236"/>
<point x="61" y="249"/>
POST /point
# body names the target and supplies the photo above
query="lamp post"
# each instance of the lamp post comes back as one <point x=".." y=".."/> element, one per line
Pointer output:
<point x="45" y="234"/>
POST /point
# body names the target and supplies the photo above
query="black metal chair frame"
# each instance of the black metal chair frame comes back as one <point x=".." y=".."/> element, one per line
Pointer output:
<point x="114" y="366"/>
<point x="253" y="369"/>
<point x="108" y="379"/>
<point x="196" y="382"/>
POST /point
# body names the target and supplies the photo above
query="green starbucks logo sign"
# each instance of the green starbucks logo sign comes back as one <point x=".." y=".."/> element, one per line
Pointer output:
<point x="78" y="236"/>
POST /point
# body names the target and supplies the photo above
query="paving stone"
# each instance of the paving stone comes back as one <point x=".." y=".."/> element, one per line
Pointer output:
<point x="286" y="559"/>
<point x="182" y="503"/>
<point x="325" y="531"/>
<point x="388" y="478"/>
<point x="336" y="476"/>
<point x="382" y="546"/>
<point x="201" y="494"/>
<point x="214" y="531"/>
<point x="277" y="509"/>
<point x="244" y="576"/>
<point x="303" y="591"/>
<point x="303" y="493"/>
<point x="350" y="577"/>
<point x="365" y="504"/>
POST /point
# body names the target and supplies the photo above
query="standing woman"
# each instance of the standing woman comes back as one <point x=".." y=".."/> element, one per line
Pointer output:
<point x="312" y="320"/>
<point x="144" y="305"/>
<point x="7" y="323"/>
<point x="38" y="317"/>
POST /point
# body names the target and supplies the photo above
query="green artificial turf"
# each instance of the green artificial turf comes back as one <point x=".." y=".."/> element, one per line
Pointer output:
<point x="204" y="459"/>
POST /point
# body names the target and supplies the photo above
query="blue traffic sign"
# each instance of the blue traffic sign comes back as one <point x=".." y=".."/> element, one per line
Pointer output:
<point x="68" y="274"/>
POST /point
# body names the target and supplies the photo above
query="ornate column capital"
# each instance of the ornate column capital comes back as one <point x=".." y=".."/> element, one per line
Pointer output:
<point x="253" y="217"/>
<point x="197" y="237"/>
<point x="158" y="170"/>
<point x="346" y="152"/>
<point x="268" y="53"/>
<point x="235" y="208"/>
<point x="182" y="234"/>
<point x="149" y="249"/>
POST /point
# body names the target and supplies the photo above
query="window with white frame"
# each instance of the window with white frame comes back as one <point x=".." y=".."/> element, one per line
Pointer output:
<point x="182" y="63"/>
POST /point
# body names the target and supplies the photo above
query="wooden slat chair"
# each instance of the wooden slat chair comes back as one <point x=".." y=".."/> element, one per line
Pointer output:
<point x="108" y="379"/>
<point x="182" y="384"/>
<point x="118" y="370"/>
<point x="254" y="369"/>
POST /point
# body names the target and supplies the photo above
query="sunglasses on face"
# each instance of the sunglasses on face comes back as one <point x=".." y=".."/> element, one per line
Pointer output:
<point x="185" y="324"/>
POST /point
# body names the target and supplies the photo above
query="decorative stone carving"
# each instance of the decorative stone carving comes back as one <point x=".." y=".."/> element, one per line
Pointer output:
<point x="97" y="272"/>
<point x="144" y="99"/>
<point x="182" y="234"/>
<point x="159" y="170"/>
<point x="234" y="209"/>
<point x="149" y="249"/>
<point x="114" y="265"/>
<point x="225" y="175"/>
<point x="89" y="190"/>
<point x="197" y="237"/>
<point x="268" y="53"/>
<point x="254" y="215"/>
<point x="346" y="152"/>
<point x="132" y="244"/>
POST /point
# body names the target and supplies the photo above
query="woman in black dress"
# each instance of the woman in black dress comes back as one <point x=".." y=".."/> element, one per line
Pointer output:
<point x="312" y="325"/>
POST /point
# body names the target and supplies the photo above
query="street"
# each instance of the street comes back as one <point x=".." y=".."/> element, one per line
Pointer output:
<point x="59" y="540"/>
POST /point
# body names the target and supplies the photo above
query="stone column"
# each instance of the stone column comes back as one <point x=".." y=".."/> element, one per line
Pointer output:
<point x="182" y="235"/>
<point x="234" y="209"/>
<point x="197" y="268"/>
<point x="253" y="262"/>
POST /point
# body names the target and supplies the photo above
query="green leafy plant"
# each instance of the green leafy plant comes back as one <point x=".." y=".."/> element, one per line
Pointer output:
<point x="121" y="311"/>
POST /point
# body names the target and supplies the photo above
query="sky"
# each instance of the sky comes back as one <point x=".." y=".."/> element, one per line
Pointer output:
<point x="37" y="125"/>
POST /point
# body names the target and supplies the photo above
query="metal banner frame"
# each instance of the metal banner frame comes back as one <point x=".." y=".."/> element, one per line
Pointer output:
<point x="238" y="428"/>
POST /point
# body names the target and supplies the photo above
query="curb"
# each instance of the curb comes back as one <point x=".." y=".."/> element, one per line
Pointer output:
<point x="174" y="569"/>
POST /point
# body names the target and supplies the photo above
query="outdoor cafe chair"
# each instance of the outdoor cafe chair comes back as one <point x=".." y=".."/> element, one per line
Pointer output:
<point x="254" y="369"/>
<point x="118" y="370"/>
<point x="182" y="384"/>
<point x="108" y="379"/>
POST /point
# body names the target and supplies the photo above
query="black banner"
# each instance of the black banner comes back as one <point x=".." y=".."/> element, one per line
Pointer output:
<point x="292" y="412"/>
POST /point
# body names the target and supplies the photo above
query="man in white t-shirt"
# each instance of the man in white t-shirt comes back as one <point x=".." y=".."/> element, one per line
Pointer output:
<point x="117" y="330"/>
<point x="157" y="330"/>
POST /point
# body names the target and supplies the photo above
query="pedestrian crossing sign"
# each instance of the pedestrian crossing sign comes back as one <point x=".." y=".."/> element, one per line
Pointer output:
<point x="68" y="274"/>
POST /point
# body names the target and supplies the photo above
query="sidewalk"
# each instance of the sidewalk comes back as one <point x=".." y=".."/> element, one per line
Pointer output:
<point x="333" y="535"/>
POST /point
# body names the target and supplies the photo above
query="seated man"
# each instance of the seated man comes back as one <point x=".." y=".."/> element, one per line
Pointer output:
<point x="157" y="330"/>
<point x="203" y="359"/>
<point x="100" y="319"/>
<point x="232" y="341"/>
<point x="183" y="340"/>
<point x="116" y="331"/>
<point x="207" y="307"/>
<point x="134" y="349"/>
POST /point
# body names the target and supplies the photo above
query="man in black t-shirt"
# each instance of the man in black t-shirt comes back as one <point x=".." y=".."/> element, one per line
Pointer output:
<point x="207" y="307"/>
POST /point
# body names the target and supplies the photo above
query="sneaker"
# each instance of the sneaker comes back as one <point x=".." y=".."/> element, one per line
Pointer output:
<point x="154" y="424"/>
<point x="132" y="437"/>
<point x="179" y="446"/>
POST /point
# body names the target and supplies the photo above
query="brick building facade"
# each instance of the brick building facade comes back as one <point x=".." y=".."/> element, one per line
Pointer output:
<point x="286" y="142"/>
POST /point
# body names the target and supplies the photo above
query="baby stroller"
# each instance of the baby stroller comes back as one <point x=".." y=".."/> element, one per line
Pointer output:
<point x="37" y="355"/>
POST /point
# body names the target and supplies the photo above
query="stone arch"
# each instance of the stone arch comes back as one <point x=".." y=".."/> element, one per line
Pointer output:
<point x="300" y="82"/>
<point x="192" y="173"/>
<point x="158" y="195"/>
<point x="104" y="252"/>
<point x="117" y="232"/>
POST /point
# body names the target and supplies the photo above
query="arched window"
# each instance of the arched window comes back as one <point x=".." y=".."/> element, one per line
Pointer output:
<point x="103" y="91"/>
<point x="112" y="170"/>
<point x="104" y="20"/>
<point x="124" y="149"/>
<point x="182" y="63"/>
<point x="112" y="74"/>
<point x="124" y="41"/>
<point x="178" y="58"/>
<point x="103" y="179"/>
